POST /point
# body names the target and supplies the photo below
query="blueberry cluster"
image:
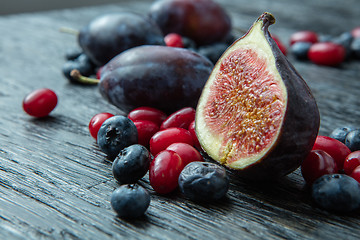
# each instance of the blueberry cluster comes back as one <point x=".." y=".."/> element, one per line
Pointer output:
<point x="348" y="135"/>
<point x="118" y="137"/>
<point x="77" y="60"/>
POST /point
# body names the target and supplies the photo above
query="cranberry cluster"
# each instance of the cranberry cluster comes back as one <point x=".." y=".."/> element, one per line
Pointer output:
<point x="332" y="171"/>
<point x="172" y="143"/>
<point x="326" y="50"/>
<point x="166" y="145"/>
<point x="330" y="155"/>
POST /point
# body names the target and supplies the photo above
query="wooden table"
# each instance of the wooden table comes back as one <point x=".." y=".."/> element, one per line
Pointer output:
<point x="56" y="184"/>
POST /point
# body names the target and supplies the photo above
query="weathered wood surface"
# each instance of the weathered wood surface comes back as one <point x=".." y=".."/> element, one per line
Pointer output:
<point x="56" y="184"/>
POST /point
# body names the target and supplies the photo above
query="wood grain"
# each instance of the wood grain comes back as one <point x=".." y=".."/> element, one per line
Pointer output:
<point x="56" y="184"/>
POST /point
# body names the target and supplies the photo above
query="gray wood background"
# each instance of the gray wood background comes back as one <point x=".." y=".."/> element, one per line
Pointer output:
<point x="56" y="184"/>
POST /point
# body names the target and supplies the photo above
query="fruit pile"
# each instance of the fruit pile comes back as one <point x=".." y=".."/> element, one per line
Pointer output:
<point x="202" y="26"/>
<point x="147" y="140"/>
<point x="140" y="60"/>
<point x="127" y="51"/>
<point x="326" y="50"/>
<point x="332" y="170"/>
<point x="254" y="113"/>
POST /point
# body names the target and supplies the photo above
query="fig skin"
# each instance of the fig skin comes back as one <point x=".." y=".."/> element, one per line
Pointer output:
<point x="161" y="77"/>
<point x="203" y="21"/>
<point x="300" y="124"/>
<point x="110" y="34"/>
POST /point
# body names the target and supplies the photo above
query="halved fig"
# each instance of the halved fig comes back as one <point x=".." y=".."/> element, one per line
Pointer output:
<point x="256" y="114"/>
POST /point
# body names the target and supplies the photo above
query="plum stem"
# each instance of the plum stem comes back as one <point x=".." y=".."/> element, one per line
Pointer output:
<point x="69" y="30"/>
<point x="82" y="79"/>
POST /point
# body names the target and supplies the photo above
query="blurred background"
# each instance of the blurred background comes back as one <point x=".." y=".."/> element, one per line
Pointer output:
<point x="23" y="6"/>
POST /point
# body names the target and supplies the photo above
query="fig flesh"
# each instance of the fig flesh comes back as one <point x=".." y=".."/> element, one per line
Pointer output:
<point x="256" y="114"/>
<point x="161" y="77"/>
<point x="110" y="34"/>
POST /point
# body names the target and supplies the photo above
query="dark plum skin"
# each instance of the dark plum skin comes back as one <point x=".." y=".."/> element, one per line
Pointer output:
<point x="204" y="21"/>
<point x="161" y="77"/>
<point x="110" y="34"/>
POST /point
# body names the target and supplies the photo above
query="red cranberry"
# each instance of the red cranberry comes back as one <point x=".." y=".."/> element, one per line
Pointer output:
<point x="173" y="40"/>
<point x="193" y="134"/>
<point x="146" y="129"/>
<point x="337" y="150"/>
<point x="40" y="102"/>
<point x="327" y="53"/>
<point x="356" y="174"/>
<point x="96" y="121"/>
<point x="187" y="152"/>
<point x="280" y="44"/>
<point x="147" y="113"/>
<point x="351" y="162"/>
<point x="356" y="32"/>
<point x="164" y="171"/>
<point x="98" y="72"/>
<point x="181" y="118"/>
<point x="164" y="138"/>
<point x="304" y="36"/>
<point x="317" y="164"/>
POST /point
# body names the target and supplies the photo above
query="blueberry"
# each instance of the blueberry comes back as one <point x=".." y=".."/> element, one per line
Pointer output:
<point x="355" y="48"/>
<point x="345" y="39"/>
<point x="72" y="54"/>
<point x="131" y="164"/>
<point x="214" y="51"/>
<point x="188" y="43"/>
<point x="130" y="201"/>
<point x="352" y="140"/>
<point x="340" y="133"/>
<point x="115" y="134"/>
<point x="300" y="50"/>
<point x="325" y="38"/>
<point x="81" y="63"/>
<point x="336" y="192"/>
<point x="203" y="181"/>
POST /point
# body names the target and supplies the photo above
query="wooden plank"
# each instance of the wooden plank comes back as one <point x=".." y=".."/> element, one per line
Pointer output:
<point x="56" y="184"/>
